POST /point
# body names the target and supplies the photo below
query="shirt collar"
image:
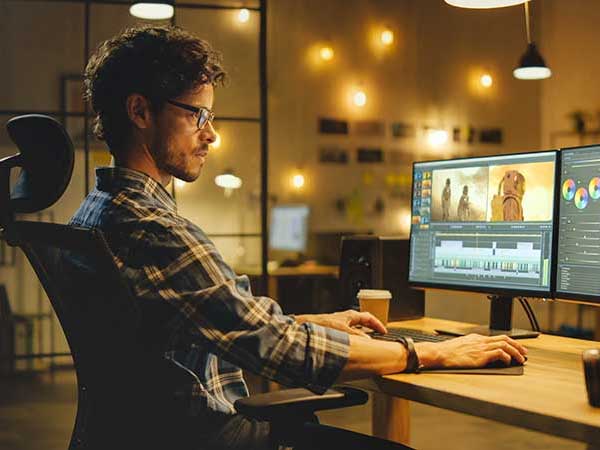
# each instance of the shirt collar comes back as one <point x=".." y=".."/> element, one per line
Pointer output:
<point x="115" y="178"/>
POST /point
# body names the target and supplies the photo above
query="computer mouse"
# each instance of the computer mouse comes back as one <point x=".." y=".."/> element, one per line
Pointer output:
<point x="498" y="364"/>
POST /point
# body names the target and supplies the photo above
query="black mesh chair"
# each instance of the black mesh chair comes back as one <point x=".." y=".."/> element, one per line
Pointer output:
<point x="129" y="395"/>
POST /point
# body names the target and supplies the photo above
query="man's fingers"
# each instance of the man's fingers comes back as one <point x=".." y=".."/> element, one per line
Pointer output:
<point x="356" y="331"/>
<point x="506" y="347"/>
<point x="512" y="342"/>
<point x="367" y="319"/>
<point x="497" y="355"/>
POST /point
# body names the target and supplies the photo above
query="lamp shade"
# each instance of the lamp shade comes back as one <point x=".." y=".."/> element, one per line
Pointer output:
<point x="531" y="65"/>
<point x="153" y="9"/>
<point x="228" y="180"/>
<point x="484" y="4"/>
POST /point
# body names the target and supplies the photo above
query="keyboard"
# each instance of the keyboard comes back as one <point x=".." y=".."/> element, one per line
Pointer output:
<point x="415" y="335"/>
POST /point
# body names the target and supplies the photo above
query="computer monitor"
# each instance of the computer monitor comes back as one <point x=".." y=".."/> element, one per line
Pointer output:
<point x="288" y="229"/>
<point x="578" y="255"/>
<point x="486" y="225"/>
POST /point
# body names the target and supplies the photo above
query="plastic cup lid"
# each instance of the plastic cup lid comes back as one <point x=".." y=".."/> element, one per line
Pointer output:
<point x="374" y="293"/>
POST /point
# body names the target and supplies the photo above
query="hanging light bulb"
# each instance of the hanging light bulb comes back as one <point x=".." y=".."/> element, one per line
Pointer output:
<point x="326" y="53"/>
<point x="217" y="142"/>
<point x="179" y="184"/>
<point x="243" y="15"/>
<point x="153" y="9"/>
<point x="298" y="181"/>
<point x="228" y="180"/>
<point x="531" y="65"/>
<point x="486" y="80"/>
<point x="484" y="4"/>
<point x="359" y="98"/>
<point x="387" y="37"/>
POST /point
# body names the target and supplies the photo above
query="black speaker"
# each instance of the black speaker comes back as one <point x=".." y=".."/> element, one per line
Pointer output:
<point x="374" y="262"/>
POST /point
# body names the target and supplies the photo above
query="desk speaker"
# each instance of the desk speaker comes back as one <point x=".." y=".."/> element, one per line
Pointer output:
<point x="374" y="262"/>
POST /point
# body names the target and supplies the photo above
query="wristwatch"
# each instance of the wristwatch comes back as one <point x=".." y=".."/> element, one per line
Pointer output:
<point x="413" y="364"/>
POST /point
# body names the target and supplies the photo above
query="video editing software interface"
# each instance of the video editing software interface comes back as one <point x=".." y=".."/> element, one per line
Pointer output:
<point x="484" y="222"/>
<point x="578" y="258"/>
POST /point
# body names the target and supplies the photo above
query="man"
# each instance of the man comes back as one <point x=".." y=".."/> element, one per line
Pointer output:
<point x="152" y="90"/>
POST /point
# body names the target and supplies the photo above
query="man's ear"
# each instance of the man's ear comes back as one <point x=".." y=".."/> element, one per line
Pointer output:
<point x="138" y="110"/>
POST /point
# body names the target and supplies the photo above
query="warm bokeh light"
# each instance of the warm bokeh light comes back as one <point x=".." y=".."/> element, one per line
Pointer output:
<point x="243" y="15"/>
<point x="152" y="11"/>
<point x="298" y="181"/>
<point x="217" y="142"/>
<point x="387" y="37"/>
<point x="484" y="4"/>
<point x="486" y="80"/>
<point x="359" y="98"/>
<point x="179" y="184"/>
<point x="326" y="53"/>
<point x="404" y="221"/>
<point x="228" y="181"/>
<point x="437" y="138"/>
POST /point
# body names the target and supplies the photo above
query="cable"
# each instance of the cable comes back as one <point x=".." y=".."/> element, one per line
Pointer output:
<point x="530" y="314"/>
<point x="527" y="312"/>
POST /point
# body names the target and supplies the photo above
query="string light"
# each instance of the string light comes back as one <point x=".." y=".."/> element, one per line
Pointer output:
<point x="486" y="80"/>
<point x="217" y="142"/>
<point x="152" y="10"/>
<point x="298" y="181"/>
<point x="326" y="53"/>
<point x="387" y="37"/>
<point x="244" y="15"/>
<point x="359" y="98"/>
<point x="437" y="138"/>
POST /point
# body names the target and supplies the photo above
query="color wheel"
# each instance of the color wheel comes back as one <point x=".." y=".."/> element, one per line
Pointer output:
<point x="568" y="189"/>
<point x="594" y="188"/>
<point x="581" y="198"/>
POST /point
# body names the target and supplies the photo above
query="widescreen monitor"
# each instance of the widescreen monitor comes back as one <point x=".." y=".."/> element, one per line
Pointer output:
<point x="578" y="255"/>
<point x="484" y="224"/>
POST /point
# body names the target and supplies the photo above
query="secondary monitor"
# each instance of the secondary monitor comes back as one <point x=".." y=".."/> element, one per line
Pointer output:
<point x="485" y="224"/>
<point x="578" y="256"/>
<point x="288" y="229"/>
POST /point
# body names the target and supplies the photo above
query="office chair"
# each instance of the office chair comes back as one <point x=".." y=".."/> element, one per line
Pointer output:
<point x="129" y="394"/>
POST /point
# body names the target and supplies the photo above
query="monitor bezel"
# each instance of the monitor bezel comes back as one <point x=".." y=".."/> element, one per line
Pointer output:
<point x="557" y="294"/>
<point x="308" y="219"/>
<point x="516" y="292"/>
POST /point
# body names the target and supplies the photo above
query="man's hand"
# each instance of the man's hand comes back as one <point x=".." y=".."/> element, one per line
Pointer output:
<point x="345" y="321"/>
<point x="470" y="351"/>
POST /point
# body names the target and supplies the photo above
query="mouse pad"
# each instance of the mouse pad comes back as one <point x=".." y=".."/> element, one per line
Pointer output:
<point x="514" y="370"/>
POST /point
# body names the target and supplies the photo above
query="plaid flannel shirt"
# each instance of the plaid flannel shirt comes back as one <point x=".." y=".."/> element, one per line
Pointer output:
<point x="216" y="326"/>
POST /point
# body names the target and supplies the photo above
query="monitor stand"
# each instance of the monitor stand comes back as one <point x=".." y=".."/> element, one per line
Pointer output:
<point x="500" y="322"/>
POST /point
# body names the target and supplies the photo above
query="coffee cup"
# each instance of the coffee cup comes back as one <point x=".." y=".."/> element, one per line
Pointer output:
<point x="375" y="301"/>
<point x="591" y="368"/>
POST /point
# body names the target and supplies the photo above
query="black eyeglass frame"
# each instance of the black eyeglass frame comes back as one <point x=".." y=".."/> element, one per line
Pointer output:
<point x="205" y="115"/>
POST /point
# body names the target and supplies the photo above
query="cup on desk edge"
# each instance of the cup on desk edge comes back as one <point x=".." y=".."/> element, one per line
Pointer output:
<point x="591" y="368"/>
<point x="375" y="301"/>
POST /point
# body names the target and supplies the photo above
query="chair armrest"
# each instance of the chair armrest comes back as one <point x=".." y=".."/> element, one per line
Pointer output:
<point x="297" y="403"/>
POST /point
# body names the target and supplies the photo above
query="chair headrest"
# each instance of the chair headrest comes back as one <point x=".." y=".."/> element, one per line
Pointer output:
<point x="46" y="158"/>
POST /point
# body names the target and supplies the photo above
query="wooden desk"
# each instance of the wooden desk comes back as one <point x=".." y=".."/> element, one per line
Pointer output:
<point x="550" y="397"/>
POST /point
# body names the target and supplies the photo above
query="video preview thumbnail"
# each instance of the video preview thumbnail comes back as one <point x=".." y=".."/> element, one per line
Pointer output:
<point x="503" y="193"/>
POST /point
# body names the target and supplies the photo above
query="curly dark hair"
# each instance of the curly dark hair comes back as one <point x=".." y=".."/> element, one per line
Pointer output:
<point x="157" y="62"/>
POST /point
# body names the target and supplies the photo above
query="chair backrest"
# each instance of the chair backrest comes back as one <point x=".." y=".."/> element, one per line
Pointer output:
<point x="127" y="390"/>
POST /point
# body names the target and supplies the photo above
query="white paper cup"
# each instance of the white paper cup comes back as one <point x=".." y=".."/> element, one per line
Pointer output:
<point x="375" y="301"/>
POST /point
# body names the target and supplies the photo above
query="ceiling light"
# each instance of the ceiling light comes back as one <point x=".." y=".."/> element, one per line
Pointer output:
<point x="228" y="180"/>
<point x="484" y="4"/>
<point x="244" y="15"/>
<point x="153" y="9"/>
<point x="531" y="65"/>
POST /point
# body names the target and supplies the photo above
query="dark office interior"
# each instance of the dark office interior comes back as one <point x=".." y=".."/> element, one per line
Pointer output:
<point x="442" y="150"/>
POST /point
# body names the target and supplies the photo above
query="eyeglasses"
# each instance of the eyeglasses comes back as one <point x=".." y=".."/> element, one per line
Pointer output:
<point x="205" y="115"/>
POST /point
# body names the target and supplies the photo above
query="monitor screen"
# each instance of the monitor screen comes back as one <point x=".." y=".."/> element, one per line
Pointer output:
<point x="578" y="256"/>
<point x="289" y="228"/>
<point x="484" y="224"/>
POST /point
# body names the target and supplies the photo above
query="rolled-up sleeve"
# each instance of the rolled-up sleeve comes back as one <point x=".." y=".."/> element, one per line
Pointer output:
<point x="181" y="266"/>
